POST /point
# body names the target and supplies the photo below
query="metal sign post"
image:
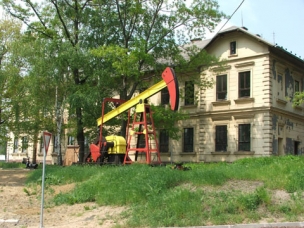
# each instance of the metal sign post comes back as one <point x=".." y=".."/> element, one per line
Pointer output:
<point x="46" y="141"/>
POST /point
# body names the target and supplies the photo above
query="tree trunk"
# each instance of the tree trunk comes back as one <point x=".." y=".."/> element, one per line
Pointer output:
<point x="59" y="113"/>
<point x="80" y="134"/>
<point x="35" y="141"/>
<point x="123" y="127"/>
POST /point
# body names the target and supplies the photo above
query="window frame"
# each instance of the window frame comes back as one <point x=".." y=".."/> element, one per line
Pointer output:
<point x="188" y="140"/>
<point x="163" y="141"/>
<point x="16" y="142"/>
<point x="244" y="87"/>
<point x="218" y="138"/>
<point x="281" y="88"/>
<point x="244" y="142"/>
<point x="296" y="86"/>
<point x="24" y="144"/>
<point x="232" y="48"/>
<point x="164" y="96"/>
<point x="55" y="145"/>
<point x="71" y="139"/>
<point x="41" y="144"/>
<point x="221" y="83"/>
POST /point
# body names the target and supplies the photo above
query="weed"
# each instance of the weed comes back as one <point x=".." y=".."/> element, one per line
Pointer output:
<point x="87" y="208"/>
<point x="296" y="181"/>
<point x="162" y="200"/>
<point x="10" y="165"/>
<point x="26" y="191"/>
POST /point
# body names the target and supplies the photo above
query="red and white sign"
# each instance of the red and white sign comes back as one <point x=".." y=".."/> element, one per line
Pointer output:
<point x="46" y="140"/>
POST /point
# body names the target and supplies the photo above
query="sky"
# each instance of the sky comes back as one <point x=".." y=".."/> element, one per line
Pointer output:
<point x="277" y="21"/>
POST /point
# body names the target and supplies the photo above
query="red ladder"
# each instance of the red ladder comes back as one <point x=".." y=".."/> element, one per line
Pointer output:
<point x="143" y="133"/>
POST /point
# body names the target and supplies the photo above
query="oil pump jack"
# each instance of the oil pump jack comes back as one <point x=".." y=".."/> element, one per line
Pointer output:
<point x="115" y="149"/>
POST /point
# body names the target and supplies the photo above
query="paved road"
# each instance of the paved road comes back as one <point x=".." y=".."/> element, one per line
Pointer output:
<point x="266" y="225"/>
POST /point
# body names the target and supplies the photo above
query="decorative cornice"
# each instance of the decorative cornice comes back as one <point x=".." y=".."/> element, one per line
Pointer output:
<point x="220" y="117"/>
<point x="221" y="153"/>
<point x="244" y="116"/>
<point x="251" y="63"/>
<point x="221" y="103"/>
<point x="244" y="153"/>
<point x="220" y="69"/>
<point x="244" y="100"/>
<point x="280" y="101"/>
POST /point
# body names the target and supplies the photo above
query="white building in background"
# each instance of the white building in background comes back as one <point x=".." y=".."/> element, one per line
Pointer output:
<point x="249" y="111"/>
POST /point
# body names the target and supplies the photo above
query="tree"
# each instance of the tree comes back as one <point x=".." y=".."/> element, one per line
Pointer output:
<point x="146" y="36"/>
<point x="61" y="26"/>
<point x="10" y="35"/>
<point x="116" y="47"/>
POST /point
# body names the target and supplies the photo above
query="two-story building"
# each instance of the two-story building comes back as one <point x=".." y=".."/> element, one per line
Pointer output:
<point x="249" y="110"/>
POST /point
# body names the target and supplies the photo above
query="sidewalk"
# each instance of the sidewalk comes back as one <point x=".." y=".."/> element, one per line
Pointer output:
<point x="265" y="225"/>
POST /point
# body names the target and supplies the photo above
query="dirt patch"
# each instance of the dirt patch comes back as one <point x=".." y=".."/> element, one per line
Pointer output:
<point x="231" y="185"/>
<point x="21" y="206"/>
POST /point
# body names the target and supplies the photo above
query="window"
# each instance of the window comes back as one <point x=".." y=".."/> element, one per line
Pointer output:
<point x="56" y="144"/>
<point x="244" y="84"/>
<point x="163" y="141"/>
<point x="281" y="87"/>
<point x="15" y="145"/>
<point x="164" y="96"/>
<point x="297" y="86"/>
<point x="189" y="93"/>
<point x="233" y="48"/>
<point x="41" y="144"/>
<point x="221" y="87"/>
<point x="244" y="137"/>
<point x="71" y="140"/>
<point x="188" y="140"/>
<point x="3" y="147"/>
<point x="221" y="138"/>
<point x="24" y="144"/>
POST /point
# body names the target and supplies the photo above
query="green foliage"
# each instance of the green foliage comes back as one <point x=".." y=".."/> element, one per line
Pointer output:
<point x="298" y="99"/>
<point x="165" y="118"/>
<point x="296" y="181"/>
<point x="68" y="48"/>
<point x="10" y="165"/>
<point x="254" y="200"/>
<point x="130" y="187"/>
<point x="169" y="197"/>
<point x="63" y="175"/>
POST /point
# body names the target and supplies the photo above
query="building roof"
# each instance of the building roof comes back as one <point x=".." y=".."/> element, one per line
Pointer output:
<point x="273" y="47"/>
<point x="202" y="44"/>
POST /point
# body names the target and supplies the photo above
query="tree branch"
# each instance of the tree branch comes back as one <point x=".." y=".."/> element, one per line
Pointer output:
<point x="36" y="13"/>
<point x="23" y="19"/>
<point x="54" y="2"/>
<point x="85" y="4"/>
<point x="134" y="86"/>
<point x="120" y="19"/>
<point x="153" y="21"/>
<point x="67" y="2"/>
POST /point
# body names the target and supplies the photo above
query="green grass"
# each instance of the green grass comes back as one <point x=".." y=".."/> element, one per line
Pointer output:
<point x="11" y="165"/>
<point x="161" y="196"/>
